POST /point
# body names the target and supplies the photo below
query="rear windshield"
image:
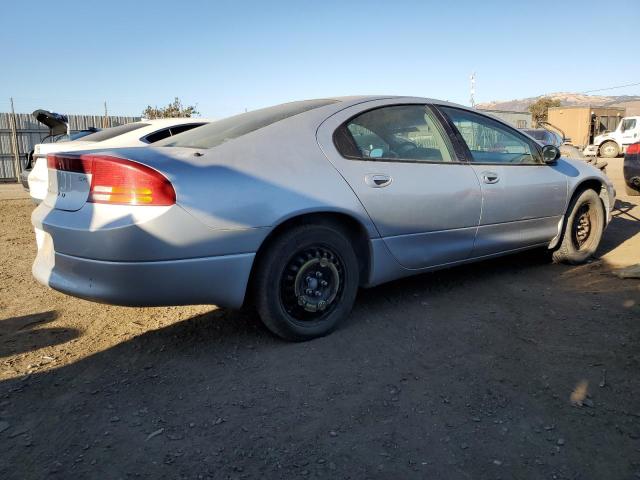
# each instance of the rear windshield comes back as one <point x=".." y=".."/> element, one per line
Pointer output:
<point x="108" y="133"/>
<point x="217" y="133"/>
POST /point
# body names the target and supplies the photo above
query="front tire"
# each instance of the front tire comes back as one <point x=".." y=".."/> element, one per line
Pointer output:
<point x="583" y="229"/>
<point x="609" y="150"/>
<point x="631" y="192"/>
<point x="306" y="281"/>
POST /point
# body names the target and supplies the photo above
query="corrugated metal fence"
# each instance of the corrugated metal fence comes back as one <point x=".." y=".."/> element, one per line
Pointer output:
<point x="30" y="132"/>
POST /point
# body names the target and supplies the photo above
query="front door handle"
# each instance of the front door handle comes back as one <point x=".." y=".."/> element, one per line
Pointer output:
<point x="490" y="177"/>
<point x="377" y="180"/>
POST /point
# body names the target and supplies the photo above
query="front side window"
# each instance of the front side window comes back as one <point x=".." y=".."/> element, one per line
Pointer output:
<point x="489" y="141"/>
<point x="397" y="133"/>
<point x="628" y="124"/>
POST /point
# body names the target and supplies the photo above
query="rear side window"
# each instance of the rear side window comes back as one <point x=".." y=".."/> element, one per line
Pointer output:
<point x="184" y="128"/>
<point x="112" y="132"/>
<point x="169" y="132"/>
<point x="157" y="136"/>
<point x="408" y="133"/>
<point x="217" y="133"/>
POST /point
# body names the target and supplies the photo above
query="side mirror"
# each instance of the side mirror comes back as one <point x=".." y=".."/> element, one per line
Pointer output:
<point x="550" y="154"/>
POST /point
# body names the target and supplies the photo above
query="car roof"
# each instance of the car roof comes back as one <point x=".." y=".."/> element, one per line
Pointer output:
<point x="295" y="117"/>
<point x="355" y="99"/>
<point x="342" y="103"/>
<point x="336" y="104"/>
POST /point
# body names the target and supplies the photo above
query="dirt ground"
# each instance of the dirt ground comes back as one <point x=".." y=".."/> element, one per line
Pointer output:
<point x="463" y="373"/>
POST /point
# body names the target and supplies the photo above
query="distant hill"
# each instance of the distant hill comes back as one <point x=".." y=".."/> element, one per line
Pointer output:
<point x="630" y="102"/>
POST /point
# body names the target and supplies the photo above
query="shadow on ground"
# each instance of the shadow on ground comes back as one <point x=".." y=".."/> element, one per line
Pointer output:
<point x="624" y="225"/>
<point x="464" y="373"/>
<point x="13" y="331"/>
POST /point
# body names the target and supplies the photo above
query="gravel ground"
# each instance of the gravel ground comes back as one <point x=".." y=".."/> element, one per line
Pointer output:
<point x="512" y="368"/>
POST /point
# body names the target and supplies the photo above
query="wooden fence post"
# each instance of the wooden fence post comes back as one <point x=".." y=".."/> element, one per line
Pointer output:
<point x="14" y="142"/>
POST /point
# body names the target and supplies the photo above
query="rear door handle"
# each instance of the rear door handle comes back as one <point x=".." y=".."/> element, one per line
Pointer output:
<point x="490" y="177"/>
<point x="377" y="180"/>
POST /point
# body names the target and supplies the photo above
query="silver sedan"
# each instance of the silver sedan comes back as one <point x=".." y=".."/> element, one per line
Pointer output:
<point x="292" y="208"/>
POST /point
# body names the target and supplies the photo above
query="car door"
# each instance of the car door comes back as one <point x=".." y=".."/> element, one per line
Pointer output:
<point x="523" y="199"/>
<point x="399" y="160"/>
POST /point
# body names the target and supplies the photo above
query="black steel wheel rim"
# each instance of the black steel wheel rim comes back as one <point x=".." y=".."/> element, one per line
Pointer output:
<point x="312" y="283"/>
<point x="583" y="222"/>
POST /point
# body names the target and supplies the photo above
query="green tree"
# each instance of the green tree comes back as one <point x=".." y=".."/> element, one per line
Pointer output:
<point x="173" y="110"/>
<point x="540" y="109"/>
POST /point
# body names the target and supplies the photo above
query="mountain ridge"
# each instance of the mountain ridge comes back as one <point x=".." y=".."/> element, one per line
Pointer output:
<point x="630" y="102"/>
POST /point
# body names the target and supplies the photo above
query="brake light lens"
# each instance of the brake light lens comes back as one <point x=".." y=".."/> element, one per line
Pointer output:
<point x="116" y="180"/>
<point x="634" y="148"/>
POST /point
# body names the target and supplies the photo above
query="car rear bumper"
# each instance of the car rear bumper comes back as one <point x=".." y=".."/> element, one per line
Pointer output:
<point x="37" y="180"/>
<point x="219" y="280"/>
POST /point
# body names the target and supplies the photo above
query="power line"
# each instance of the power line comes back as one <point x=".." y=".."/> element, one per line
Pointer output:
<point x="611" y="88"/>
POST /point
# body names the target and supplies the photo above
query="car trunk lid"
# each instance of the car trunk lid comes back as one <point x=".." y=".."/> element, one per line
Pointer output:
<point x="69" y="183"/>
<point x="56" y="122"/>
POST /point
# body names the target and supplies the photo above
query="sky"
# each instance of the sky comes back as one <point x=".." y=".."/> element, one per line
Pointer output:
<point x="230" y="56"/>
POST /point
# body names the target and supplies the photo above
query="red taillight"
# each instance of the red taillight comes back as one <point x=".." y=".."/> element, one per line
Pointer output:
<point x="633" y="149"/>
<point x="68" y="163"/>
<point x="117" y="181"/>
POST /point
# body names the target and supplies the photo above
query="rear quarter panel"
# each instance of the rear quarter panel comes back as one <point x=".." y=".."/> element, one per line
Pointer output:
<point x="258" y="180"/>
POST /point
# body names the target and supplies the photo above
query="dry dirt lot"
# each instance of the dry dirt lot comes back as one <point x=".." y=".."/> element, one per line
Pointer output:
<point x="464" y="373"/>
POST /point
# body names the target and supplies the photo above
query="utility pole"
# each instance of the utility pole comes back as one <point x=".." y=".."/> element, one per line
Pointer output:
<point x="473" y="90"/>
<point x="14" y="142"/>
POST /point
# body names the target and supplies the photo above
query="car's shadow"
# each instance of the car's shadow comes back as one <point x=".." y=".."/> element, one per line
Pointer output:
<point x="217" y="393"/>
<point x="624" y="225"/>
<point x="418" y="361"/>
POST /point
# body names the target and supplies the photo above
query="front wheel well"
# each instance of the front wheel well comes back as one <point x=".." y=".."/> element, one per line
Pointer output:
<point x="356" y="232"/>
<point x="592" y="184"/>
<point x="599" y="188"/>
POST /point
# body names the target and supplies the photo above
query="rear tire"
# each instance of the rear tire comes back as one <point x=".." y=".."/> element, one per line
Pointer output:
<point x="306" y="281"/>
<point x="609" y="150"/>
<point x="582" y="230"/>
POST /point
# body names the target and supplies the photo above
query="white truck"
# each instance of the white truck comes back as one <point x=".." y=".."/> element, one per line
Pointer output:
<point x="612" y="144"/>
